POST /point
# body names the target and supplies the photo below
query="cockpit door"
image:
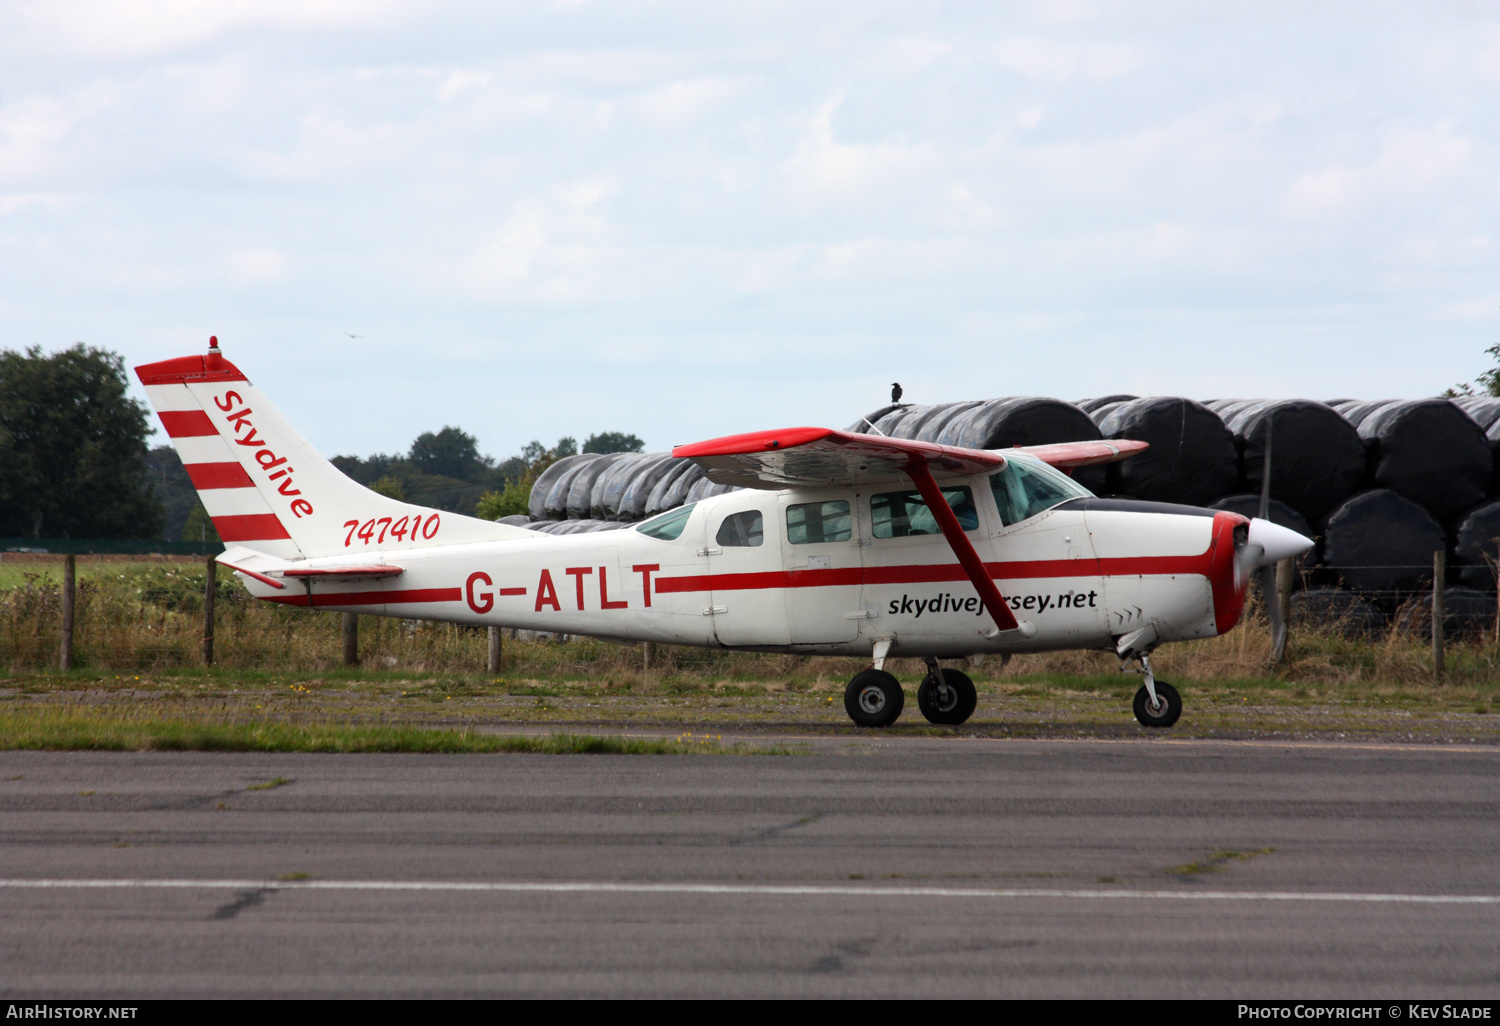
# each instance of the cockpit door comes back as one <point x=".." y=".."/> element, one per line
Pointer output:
<point x="822" y="565"/>
<point x="744" y="563"/>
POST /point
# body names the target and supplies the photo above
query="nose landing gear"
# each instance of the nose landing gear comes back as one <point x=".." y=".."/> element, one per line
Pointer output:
<point x="1157" y="703"/>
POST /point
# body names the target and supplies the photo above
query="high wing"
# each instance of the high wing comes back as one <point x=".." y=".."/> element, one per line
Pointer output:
<point x="1067" y="455"/>
<point x="821" y="456"/>
<point x="810" y="457"/>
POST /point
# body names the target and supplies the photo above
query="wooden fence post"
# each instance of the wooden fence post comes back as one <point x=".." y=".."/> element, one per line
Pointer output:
<point x="492" y="665"/>
<point x="650" y="654"/>
<point x="351" y="639"/>
<point x="1286" y="576"/>
<point x="1439" y="569"/>
<point x="70" y="578"/>
<point x="210" y="590"/>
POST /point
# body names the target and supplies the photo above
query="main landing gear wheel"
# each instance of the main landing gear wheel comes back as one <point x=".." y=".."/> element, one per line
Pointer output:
<point x="960" y="700"/>
<point x="1168" y="706"/>
<point x="874" y="699"/>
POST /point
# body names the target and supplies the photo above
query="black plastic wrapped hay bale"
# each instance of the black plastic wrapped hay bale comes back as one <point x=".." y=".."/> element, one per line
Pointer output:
<point x="1429" y="451"/>
<point x="865" y="424"/>
<point x="655" y="501"/>
<point x="1024" y="420"/>
<point x="1477" y="546"/>
<point x="581" y="491"/>
<point x="549" y="496"/>
<point x="1335" y="610"/>
<point x="1102" y="403"/>
<point x="1192" y="459"/>
<point x="684" y="483"/>
<point x="631" y="504"/>
<point x="604" y="501"/>
<point x="1381" y="544"/>
<point x="1467" y="613"/>
<point x="1278" y="513"/>
<point x="1317" y="456"/>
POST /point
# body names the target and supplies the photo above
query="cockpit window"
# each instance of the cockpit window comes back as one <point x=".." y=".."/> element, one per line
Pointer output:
<point x="742" y="530"/>
<point x="808" y="523"/>
<point x="668" y="526"/>
<point x="903" y="514"/>
<point x="1028" y="486"/>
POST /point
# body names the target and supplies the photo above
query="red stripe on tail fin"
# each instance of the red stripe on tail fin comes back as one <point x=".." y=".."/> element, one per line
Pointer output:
<point x="186" y="423"/>
<point x="218" y="475"/>
<point x="252" y="527"/>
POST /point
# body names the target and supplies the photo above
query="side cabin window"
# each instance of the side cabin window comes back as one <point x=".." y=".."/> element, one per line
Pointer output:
<point x="903" y="514"/>
<point x="808" y="523"/>
<point x="1028" y="487"/>
<point x="742" y="530"/>
<point x="668" y="526"/>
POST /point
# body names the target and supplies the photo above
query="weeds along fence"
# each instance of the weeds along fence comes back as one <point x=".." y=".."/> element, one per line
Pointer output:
<point x="141" y="618"/>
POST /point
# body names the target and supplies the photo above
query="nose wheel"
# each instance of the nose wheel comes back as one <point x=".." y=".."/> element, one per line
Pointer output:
<point x="874" y="699"/>
<point x="1157" y="703"/>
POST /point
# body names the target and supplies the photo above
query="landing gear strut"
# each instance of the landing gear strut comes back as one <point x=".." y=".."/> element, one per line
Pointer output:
<point x="946" y="697"/>
<point x="1157" y="703"/>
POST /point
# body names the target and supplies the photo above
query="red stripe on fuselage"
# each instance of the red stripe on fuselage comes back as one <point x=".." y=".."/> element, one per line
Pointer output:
<point x="372" y="598"/>
<point x="250" y="527"/>
<point x="218" y="475"/>
<point x="932" y="573"/>
<point x="187" y="423"/>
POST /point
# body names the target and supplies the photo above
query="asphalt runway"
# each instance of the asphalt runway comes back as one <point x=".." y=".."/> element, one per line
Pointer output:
<point x="902" y="868"/>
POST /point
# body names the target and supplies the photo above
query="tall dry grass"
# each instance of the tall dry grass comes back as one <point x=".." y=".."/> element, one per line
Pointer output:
<point x="150" y="617"/>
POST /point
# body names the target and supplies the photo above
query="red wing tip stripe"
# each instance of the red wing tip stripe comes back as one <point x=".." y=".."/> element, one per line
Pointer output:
<point x="186" y="423"/>
<point x="374" y="598"/>
<point x="183" y="369"/>
<point x="208" y="476"/>
<point x="250" y="527"/>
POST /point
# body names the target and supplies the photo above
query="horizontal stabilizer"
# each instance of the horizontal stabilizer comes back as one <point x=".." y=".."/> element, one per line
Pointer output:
<point x="373" y="572"/>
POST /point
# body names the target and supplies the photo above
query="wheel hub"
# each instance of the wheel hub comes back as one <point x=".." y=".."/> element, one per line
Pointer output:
<point x="871" y="699"/>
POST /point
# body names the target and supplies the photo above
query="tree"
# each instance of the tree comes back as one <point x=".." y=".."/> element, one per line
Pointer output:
<point x="613" y="441"/>
<point x="451" y="453"/>
<point x="390" y="486"/>
<point x="73" y="448"/>
<point x="1487" y="383"/>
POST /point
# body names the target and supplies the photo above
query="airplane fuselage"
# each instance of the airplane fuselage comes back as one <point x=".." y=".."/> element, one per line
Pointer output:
<point x="824" y="571"/>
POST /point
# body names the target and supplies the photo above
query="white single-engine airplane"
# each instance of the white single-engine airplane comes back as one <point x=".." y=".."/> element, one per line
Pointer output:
<point x="839" y="544"/>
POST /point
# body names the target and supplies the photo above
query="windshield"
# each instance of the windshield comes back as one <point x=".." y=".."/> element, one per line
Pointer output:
<point x="668" y="526"/>
<point x="1028" y="486"/>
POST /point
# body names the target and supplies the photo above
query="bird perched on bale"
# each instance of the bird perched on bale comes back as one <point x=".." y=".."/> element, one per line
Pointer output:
<point x="895" y="391"/>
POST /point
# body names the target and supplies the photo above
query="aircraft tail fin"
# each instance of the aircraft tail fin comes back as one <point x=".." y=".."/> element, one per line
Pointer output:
<point x="267" y="488"/>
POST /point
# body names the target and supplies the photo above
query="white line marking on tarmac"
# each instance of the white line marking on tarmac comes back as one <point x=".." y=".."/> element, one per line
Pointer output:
<point x="749" y="890"/>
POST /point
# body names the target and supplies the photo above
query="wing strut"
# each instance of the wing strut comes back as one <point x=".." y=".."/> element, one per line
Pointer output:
<point x="921" y="475"/>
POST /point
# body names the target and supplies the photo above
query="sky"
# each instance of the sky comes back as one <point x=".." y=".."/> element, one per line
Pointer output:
<point x="686" y="220"/>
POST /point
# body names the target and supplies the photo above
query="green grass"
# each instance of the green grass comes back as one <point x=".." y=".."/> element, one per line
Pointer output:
<point x="67" y="728"/>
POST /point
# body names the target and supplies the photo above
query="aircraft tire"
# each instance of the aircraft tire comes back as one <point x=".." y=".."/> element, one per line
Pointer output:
<point x="964" y="698"/>
<point x="1166" y="715"/>
<point x="874" y="699"/>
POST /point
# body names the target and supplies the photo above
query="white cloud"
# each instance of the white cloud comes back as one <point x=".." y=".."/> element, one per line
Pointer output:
<point x="111" y="29"/>
<point x="1409" y="162"/>
<point x="255" y="266"/>
<point x="1061" y="61"/>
